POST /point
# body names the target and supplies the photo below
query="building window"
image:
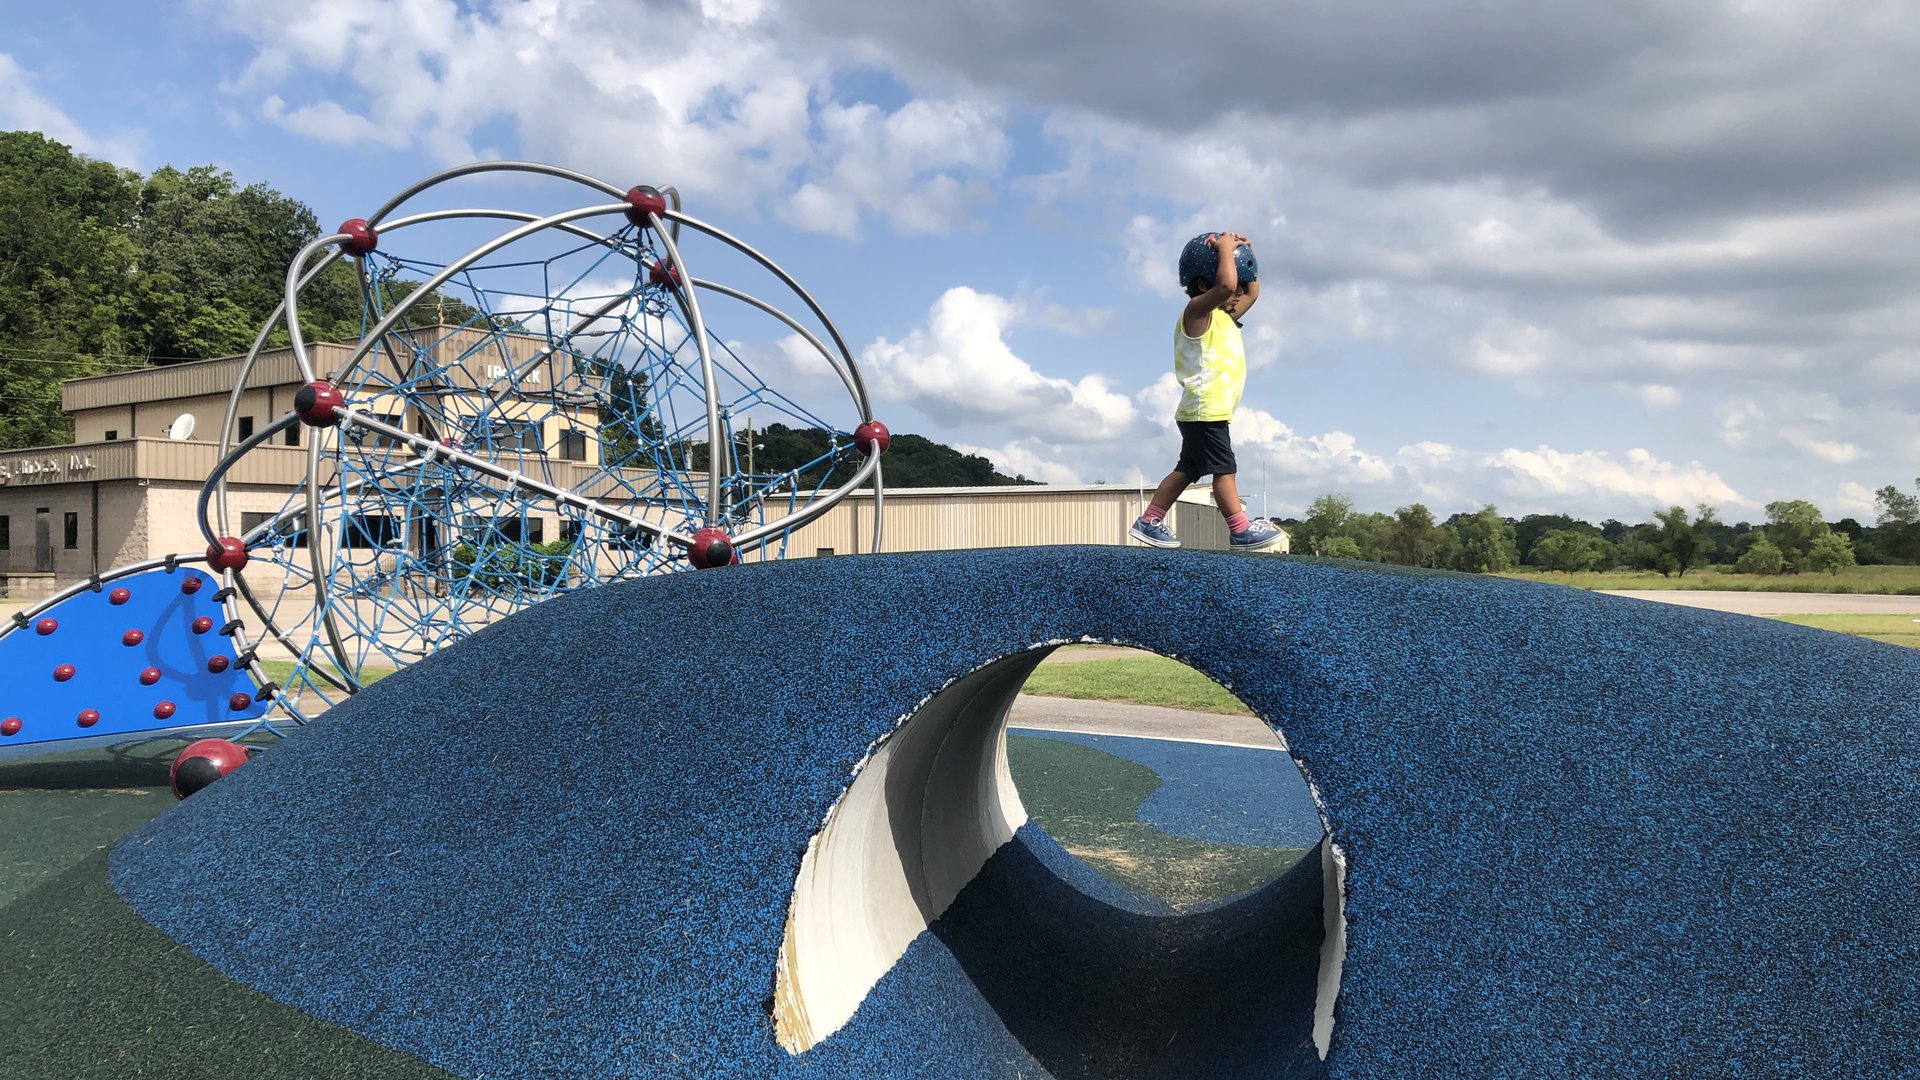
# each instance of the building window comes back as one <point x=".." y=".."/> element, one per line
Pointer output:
<point x="821" y="553"/>
<point x="112" y="435"/>
<point x="6" y="532"/>
<point x="362" y="435"/>
<point x="246" y="427"/>
<point x="293" y="435"/>
<point x="72" y="530"/>
<point x="521" y="435"/>
<point x="368" y="531"/>
<point x="573" y="445"/>
<point x="522" y="530"/>
<point x="291" y="531"/>
<point x="569" y="529"/>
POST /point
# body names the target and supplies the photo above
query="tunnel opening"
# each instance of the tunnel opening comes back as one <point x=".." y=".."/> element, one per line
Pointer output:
<point x="1100" y="961"/>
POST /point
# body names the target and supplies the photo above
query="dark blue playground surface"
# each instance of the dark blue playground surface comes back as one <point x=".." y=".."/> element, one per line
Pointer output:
<point x="1219" y="793"/>
<point x="1587" y="837"/>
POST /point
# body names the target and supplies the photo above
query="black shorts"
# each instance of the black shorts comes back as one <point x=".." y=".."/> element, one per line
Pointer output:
<point x="1205" y="450"/>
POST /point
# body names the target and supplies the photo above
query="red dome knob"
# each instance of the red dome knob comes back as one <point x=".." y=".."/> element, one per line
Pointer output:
<point x="150" y="676"/>
<point x="316" y="402"/>
<point x="361" y="239"/>
<point x="239" y="702"/>
<point x="227" y="553"/>
<point x="711" y="547"/>
<point x="46" y="626"/>
<point x="873" y="431"/>
<point x="63" y="673"/>
<point x="202" y="624"/>
<point x="191" y="585"/>
<point x="88" y="717"/>
<point x="663" y="273"/>
<point x="10" y="726"/>
<point x="119" y="596"/>
<point x="132" y="638"/>
<point x="644" y="200"/>
<point x="203" y="762"/>
<point x="163" y="711"/>
<point x="217" y="664"/>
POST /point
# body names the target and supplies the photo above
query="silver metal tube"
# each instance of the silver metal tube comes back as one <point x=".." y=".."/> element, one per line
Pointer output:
<point x="719" y="452"/>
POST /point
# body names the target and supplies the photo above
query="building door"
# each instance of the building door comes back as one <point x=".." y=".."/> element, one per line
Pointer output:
<point x="43" y="540"/>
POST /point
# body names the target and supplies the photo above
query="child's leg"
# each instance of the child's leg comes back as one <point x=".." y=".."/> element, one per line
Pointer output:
<point x="1226" y="493"/>
<point x="1164" y="495"/>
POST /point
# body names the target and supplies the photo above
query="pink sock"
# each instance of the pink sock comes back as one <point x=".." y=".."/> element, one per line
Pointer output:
<point x="1153" y="514"/>
<point x="1238" y="522"/>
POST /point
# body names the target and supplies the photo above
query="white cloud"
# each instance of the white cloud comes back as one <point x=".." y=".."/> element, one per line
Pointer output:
<point x="1599" y="478"/>
<point x="23" y="108"/>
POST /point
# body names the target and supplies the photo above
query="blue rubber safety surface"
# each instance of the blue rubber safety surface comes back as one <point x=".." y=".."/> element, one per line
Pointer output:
<point x="163" y="621"/>
<point x="1587" y="836"/>
<point x="1209" y="791"/>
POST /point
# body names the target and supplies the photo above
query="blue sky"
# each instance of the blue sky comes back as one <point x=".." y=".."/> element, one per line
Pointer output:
<point x="1587" y="259"/>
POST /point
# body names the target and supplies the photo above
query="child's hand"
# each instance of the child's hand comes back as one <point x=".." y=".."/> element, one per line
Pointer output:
<point x="1231" y="240"/>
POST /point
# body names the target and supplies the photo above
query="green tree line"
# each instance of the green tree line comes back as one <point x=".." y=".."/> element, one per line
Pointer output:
<point x="1795" y="538"/>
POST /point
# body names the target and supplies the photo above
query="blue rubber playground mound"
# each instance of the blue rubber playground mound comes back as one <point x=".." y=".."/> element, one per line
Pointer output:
<point x="1583" y="836"/>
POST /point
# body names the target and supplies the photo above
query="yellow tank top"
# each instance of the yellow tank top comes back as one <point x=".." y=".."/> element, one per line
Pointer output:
<point x="1212" y="369"/>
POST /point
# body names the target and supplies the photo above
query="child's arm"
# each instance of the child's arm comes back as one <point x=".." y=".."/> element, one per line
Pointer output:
<point x="1243" y="303"/>
<point x="1226" y="280"/>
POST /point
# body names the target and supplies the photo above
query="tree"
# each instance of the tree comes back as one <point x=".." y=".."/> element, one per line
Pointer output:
<point x="1831" y="552"/>
<point x="1327" y="517"/>
<point x="1412" y="537"/>
<point x="1339" y="547"/>
<point x="1793" y="525"/>
<point x="1528" y="530"/>
<point x="1896" y="507"/>
<point x="1570" y="550"/>
<point x="1761" y="557"/>
<point x="1679" y="544"/>
<point x="1484" y="543"/>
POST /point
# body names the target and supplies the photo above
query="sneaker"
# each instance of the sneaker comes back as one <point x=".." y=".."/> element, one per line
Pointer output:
<point x="1154" y="532"/>
<point x="1257" y="536"/>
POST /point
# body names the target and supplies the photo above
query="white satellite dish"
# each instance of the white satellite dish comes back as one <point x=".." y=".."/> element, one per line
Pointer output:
<point x="181" y="428"/>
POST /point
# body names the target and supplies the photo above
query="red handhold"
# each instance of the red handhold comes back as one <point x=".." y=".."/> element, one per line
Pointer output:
<point x="132" y="638"/>
<point x="217" y="664"/>
<point x="119" y="596"/>
<point x="46" y="626"/>
<point x="163" y="711"/>
<point x="202" y="624"/>
<point x="663" y="273"/>
<point x="643" y="200"/>
<point x="239" y="702"/>
<point x="869" y="433"/>
<point x="362" y="238"/>
<point x="88" y="717"/>
<point x="316" y="402"/>
<point x="711" y="547"/>
<point x="227" y="553"/>
<point x="203" y="762"/>
<point x="10" y="726"/>
<point x="191" y="585"/>
<point x="150" y="676"/>
<point x="63" y="673"/>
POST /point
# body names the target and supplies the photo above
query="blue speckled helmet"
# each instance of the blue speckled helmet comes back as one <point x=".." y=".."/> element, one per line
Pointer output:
<point x="1198" y="261"/>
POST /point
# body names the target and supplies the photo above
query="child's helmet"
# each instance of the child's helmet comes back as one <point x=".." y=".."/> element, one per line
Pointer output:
<point x="1198" y="261"/>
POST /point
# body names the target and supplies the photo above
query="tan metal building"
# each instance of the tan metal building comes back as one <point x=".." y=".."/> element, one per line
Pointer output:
<point x="125" y="490"/>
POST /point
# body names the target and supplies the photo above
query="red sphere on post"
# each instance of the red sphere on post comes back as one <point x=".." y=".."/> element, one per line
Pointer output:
<point x="869" y="433"/>
<point x="642" y="201"/>
<point x="663" y="273"/>
<point x="227" y="553"/>
<point x="711" y="547"/>
<point x="316" y="402"/>
<point x="203" y="762"/>
<point x="361" y="239"/>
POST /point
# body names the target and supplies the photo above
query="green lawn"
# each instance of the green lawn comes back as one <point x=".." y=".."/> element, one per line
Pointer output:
<point x="1089" y="801"/>
<point x="1148" y="680"/>
<point x="1893" y="629"/>
<point x="1900" y="580"/>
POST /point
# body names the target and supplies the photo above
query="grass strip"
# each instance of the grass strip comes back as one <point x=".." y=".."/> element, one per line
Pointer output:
<point x="1884" y="580"/>
<point x="1146" y="680"/>
<point x="1892" y="629"/>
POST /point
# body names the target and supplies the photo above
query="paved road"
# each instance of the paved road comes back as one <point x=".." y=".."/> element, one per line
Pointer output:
<point x="1142" y="721"/>
<point x="1781" y="603"/>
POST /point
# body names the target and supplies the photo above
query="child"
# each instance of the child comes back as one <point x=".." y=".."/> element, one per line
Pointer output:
<point x="1222" y="282"/>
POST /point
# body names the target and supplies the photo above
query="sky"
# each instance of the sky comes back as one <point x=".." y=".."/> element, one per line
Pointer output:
<point x="1579" y="258"/>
